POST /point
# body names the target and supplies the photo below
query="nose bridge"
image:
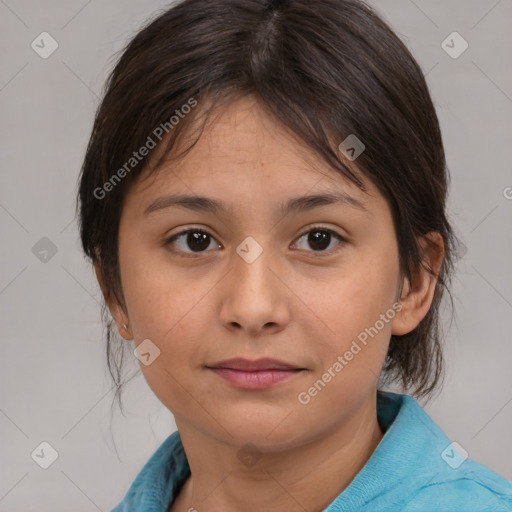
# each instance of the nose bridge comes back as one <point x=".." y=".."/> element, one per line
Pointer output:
<point x="252" y="261"/>
<point x="255" y="295"/>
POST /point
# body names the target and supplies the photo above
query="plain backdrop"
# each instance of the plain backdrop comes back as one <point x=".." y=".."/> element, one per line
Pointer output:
<point x="53" y="379"/>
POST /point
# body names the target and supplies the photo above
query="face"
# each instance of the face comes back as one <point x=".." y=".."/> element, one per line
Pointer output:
<point x="255" y="280"/>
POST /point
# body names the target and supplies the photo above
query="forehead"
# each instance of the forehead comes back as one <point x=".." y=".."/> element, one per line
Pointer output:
<point x="244" y="152"/>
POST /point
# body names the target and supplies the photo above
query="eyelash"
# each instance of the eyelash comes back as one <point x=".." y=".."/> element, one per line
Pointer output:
<point x="169" y="241"/>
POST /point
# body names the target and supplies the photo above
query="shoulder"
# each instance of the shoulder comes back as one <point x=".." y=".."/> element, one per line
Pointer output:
<point x="446" y="478"/>
<point x="474" y="489"/>
<point x="155" y="484"/>
<point x="424" y="470"/>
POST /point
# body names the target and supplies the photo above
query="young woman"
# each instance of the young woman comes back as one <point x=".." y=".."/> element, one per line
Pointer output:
<point x="263" y="198"/>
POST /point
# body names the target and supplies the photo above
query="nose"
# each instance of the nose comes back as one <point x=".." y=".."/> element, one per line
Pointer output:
<point x="255" y="298"/>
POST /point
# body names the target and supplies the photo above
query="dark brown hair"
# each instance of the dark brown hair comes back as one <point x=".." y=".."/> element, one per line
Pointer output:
<point x="325" y="69"/>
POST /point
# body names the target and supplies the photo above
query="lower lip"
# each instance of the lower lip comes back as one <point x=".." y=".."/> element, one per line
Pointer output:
<point x="259" y="379"/>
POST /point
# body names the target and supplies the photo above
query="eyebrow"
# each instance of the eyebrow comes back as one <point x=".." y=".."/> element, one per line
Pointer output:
<point x="294" y="204"/>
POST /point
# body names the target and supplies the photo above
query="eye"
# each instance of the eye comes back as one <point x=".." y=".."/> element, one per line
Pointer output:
<point x="320" y="238"/>
<point x="195" y="239"/>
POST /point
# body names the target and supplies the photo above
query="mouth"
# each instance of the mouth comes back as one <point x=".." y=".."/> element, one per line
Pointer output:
<point x="259" y="374"/>
<point x="239" y="363"/>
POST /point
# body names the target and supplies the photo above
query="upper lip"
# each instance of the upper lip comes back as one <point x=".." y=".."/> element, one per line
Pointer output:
<point x="239" y="363"/>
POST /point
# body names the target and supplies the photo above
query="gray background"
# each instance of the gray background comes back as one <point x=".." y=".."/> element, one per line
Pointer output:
<point x="53" y="379"/>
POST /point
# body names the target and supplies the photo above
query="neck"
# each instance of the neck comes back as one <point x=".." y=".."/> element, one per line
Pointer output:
<point x="306" y="477"/>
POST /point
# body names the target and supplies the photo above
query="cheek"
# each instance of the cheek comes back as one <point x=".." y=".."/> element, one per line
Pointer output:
<point x="352" y="317"/>
<point x="353" y="296"/>
<point x="160" y="301"/>
<point x="171" y="306"/>
<point x="149" y="287"/>
<point x="167" y="309"/>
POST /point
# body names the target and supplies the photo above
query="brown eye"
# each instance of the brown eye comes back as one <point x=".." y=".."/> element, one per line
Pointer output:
<point x="191" y="241"/>
<point x="319" y="239"/>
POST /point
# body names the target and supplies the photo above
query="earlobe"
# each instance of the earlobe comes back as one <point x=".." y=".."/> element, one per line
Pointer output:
<point x="117" y="312"/>
<point x="417" y="295"/>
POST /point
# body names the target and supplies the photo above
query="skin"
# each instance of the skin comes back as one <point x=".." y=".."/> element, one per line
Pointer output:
<point x="293" y="303"/>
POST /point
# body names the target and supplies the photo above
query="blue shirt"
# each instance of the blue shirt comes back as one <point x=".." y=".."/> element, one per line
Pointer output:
<point x="415" y="468"/>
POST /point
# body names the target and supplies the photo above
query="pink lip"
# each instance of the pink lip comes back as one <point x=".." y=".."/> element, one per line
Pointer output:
<point x="258" y="374"/>
<point x="258" y="379"/>
<point x="239" y="363"/>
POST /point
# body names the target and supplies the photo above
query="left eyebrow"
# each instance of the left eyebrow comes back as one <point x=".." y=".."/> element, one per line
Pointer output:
<point x="212" y="205"/>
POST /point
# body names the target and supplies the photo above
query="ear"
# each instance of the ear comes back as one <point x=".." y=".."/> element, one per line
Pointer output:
<point x="117" y="312"/>
<point x="417" y="295"/>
